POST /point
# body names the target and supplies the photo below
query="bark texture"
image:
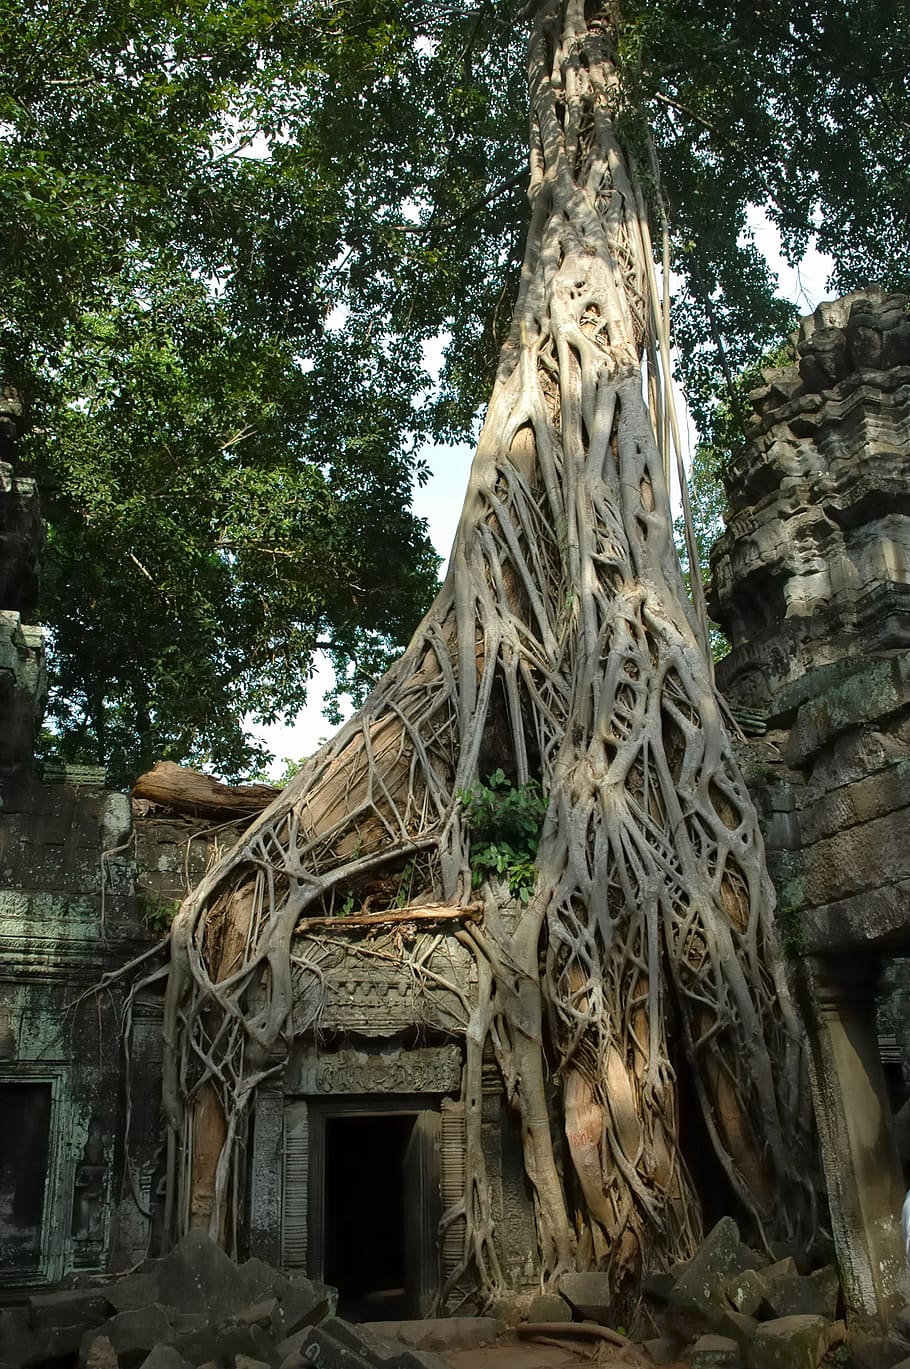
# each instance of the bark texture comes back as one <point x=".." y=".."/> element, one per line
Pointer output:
<point x="560" y="648"/>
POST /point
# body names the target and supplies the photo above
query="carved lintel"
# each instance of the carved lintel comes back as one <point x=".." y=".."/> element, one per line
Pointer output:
<point x="425" y="1070"/>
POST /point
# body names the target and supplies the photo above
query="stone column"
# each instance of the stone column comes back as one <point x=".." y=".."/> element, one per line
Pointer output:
<point x="862" y="1170"/>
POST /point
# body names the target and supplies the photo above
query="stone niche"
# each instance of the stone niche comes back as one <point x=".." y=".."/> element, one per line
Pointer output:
<point x="811" y="581"/>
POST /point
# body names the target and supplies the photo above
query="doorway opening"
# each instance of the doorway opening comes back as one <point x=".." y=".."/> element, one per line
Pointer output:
<point x="24" y="1153"/>
<point x="366" y="1211"/>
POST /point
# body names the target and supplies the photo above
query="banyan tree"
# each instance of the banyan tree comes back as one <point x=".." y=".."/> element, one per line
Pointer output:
<point x="561" y="656"/>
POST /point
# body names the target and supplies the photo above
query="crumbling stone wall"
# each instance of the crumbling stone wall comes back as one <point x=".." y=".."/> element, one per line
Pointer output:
<point x="811" y="581"/>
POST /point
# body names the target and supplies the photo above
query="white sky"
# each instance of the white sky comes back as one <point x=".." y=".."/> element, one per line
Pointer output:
<point x="439" y="500"/>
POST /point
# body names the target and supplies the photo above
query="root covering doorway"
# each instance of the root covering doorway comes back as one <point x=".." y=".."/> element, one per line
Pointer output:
<point x="374" y="1203"/>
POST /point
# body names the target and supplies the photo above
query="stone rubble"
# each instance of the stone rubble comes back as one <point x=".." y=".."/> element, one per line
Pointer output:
<point x="726" y="1308"/>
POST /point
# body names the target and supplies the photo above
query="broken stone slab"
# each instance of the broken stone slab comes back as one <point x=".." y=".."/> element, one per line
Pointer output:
<point x="588" y="1295"/>
<point x="198" y="1276"/>
<point x="72" y="1307"/>
<point x="302" y="1304"/>
<point x="165" y="1357"/>
<point x="245" y="1362"/>
<point x="715" y="1352"/>
<point x="795" y="1342"/>
<point x="799" y="1295"/>
<point x="746" y="1291"/>
<point x="226" y="1340"/>
<point x="439" y="1333"/>
<point x="700" y="1287"/>
<point x="336" y="1344"/>
<point x="134" y="1334"/>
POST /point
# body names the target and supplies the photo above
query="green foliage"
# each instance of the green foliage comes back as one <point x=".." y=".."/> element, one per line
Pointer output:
<point x="504" y="821"/>
<point x="158" y="913"/>
<point x="227" y="230"/>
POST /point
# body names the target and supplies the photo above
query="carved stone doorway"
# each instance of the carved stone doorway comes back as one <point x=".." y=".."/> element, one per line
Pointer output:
<point x="374" y="1204"/>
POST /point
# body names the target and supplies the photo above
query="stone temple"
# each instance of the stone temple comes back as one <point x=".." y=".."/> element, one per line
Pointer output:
<point x="811" y="583"/>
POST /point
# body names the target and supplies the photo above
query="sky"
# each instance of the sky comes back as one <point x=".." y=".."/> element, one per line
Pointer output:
<point x="439" y="500"/>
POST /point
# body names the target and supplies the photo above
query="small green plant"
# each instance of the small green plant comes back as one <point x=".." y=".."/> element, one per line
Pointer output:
<point x="504" y="820"/>
<point x="158" y="913"/>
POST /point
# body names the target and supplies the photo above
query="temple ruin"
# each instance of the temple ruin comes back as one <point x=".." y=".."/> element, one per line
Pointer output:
<point x="811" y="581"/>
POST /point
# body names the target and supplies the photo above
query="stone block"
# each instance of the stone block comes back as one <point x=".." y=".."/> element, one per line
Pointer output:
<point x="165" y="1357"/>
<point x="789" y="1343"/>
<point x="745" y="1291"/>
<point x="135" y="1333"/>
<point x="714" y="1352"/>
<point x="302" y="1304"/>
<point x="588" y="1295"/>
<point x="549" y="1307"/>
<point x="737" y="1326"/>
<point x="795" y="1295"/>
<point x="721" y="1256"/>
<point x="335" y="1344"/>
<point x="72" y="1307"/>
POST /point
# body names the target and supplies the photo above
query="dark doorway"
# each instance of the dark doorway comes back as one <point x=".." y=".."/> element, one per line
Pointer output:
<point x="25" y="1110"/>
<point x="366" y="1202"/>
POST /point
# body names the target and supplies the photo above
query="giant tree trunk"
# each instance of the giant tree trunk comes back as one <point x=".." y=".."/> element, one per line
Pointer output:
<point x="560" y="648"/>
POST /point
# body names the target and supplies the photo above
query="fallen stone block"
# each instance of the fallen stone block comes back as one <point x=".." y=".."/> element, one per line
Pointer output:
<point x="796" y="1342"/>
<point x="336" y="1344"/>
<point x="72" y="1307"/>
<point x="746" y="1291"/>
<point x="827" y="1285"/>
<point x="722" y="1256"/>
<point x="257" y="1314"/>
<point x="737" y="1326"/>
<point x="302" y="1304"/>
<point x="588" y="1295"/>
<point x="797" y="1295"/>
<point x="165" y="1357"/>
<point x="549" y="1307"/>
<point x="714" y="1352"/>
<point x="134" y="1334"/>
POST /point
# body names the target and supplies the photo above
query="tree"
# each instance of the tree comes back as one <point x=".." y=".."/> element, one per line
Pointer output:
<point x="283" y="184"/>
<point x="561" y="660"/>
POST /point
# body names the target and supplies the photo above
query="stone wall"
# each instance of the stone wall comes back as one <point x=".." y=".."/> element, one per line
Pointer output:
<point x="811" y="581"/>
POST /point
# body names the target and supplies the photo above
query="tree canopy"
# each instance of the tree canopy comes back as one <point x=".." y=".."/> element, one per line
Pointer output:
<point x="229" y="227"/>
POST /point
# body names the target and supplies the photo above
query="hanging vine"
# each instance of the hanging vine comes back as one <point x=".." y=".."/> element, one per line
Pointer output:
<point x="561" y="650"/>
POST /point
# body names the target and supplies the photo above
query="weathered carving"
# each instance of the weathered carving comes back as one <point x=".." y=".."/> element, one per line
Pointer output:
<point x="814" y="566"/>
<point x="425" y="1070"/>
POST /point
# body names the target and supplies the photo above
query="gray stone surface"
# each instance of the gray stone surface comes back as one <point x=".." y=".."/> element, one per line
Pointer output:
<point x="797" y="1342"/>
<point x="549" y="1307"/>
<point x="588" y="1294"/>
<point x="701" y="1287"/>
<point x="714" y="1352"/>
<point x="164" y="1357"/>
